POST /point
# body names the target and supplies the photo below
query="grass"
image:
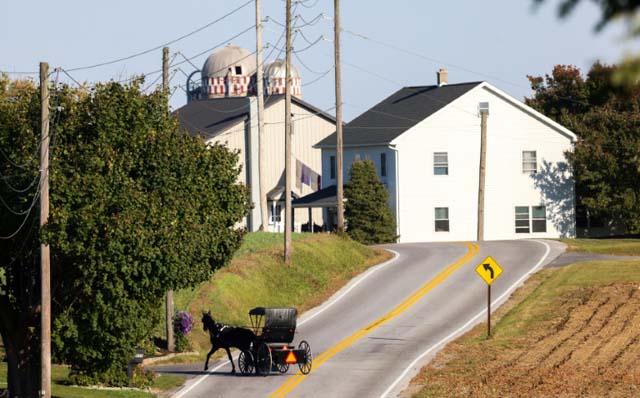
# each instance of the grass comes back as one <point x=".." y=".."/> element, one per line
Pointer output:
<point x="257" y="276"/>
<point x="59" y="375"/>
<point x="626" y="247"/>
<point x="560" y="318"/>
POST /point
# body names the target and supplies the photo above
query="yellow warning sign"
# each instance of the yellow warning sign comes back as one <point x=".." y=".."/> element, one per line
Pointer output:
<point x="489" y="270"/>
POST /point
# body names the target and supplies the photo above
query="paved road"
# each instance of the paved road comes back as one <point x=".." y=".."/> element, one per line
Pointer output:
<point x="375" y="334"/>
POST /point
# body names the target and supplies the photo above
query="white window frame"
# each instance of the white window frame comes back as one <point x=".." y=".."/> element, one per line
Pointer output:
<point x="530" y="166"/>
<point x="275" y="213"/>
<point x="537" y="221"/>
<point x="442" y="220"/>
<point x="521" y="215"/>
<point x="441" y="165"/>
<point x="528" y="222"/>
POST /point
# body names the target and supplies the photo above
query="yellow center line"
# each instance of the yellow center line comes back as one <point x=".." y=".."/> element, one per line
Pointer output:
<point x="405" y="305"/>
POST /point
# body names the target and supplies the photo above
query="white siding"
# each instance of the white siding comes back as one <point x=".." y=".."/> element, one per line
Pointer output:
<point x="308" y="129"/>
<point x="365" y="153"/>
<point x="234" y="139"/>
<point x="455" y="129"/>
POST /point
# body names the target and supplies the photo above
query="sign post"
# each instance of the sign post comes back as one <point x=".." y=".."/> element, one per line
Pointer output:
<point x="489" y="270"/>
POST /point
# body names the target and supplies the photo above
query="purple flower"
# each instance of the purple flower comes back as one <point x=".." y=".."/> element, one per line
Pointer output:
<point x="182" y="323"/>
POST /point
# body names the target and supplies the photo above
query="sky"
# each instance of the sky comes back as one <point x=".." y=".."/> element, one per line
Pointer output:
<point x="385" y="45"/>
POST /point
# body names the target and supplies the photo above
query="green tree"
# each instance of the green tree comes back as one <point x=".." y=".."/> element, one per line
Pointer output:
<point x="628" y="71"/>
<point x="366" y="212"/>
<point x="606" y="118"/>
<point x="137" y="208"/>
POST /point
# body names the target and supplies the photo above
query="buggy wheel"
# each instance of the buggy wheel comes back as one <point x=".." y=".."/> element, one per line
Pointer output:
<point x="245" y="362"/>
<point x="305" y="367"/>
<point x="283" y="367"/>
<point x="263" y="360"/>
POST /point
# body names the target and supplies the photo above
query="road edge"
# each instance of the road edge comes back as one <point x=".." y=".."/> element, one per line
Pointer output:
<point x="402" y="382"/>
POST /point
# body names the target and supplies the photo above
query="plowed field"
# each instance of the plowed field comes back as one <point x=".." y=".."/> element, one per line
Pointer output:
<point x="567" y="336"/>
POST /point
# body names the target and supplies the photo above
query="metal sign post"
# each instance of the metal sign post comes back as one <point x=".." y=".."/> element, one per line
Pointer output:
<point x="489" y="270"/>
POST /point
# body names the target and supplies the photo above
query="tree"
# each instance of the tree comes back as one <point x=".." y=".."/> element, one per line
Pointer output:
<point x="369" y="220"/>
<point x="628" y="71"/>
<point x="606" y="118"/>
<point x="137" y="208"/>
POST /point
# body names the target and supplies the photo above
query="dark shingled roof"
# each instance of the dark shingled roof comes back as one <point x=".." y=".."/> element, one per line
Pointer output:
<point x="325" y="197"/>
<point x="210" y="117"/>
<point x="397" y="113"/>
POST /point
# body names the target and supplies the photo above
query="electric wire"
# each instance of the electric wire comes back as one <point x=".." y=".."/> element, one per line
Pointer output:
<point x="304" y="65"/>
<point x="162" y="45"/>
<point x="322" y="76"/>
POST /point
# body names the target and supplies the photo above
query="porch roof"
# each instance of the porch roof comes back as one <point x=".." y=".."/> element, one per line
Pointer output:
<point x="325" y="197"/>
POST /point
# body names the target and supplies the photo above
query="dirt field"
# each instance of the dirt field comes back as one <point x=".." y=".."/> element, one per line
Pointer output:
<point x="582" y="342"/>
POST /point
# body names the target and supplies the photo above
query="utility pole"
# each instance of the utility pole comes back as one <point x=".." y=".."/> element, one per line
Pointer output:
<point x="169" y="303"/>
<point x="287" y="144"/>
<point x="338" y="81"/>
<point x="484" y="112"/>
<point x="45" y="264"/>
<point x="262" y="161"/>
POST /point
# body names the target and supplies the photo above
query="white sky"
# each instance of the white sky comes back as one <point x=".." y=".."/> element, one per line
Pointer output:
<point x="500" y="41"/>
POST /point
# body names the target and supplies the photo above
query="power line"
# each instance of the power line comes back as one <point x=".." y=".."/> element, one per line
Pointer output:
<point x="416" y="54"/>
<point x="318" y="78"/>
<point x="164" y="44"/>
<point x="308" y="68"/>
<point x="188" y="59"/>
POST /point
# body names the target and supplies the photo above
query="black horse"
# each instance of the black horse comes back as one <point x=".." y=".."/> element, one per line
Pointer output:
<point x="225" y="336"/>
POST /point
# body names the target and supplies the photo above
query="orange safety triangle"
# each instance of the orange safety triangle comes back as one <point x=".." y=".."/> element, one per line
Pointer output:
<point x="291" y="358"/>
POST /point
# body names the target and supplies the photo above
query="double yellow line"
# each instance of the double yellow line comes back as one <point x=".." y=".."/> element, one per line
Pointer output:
<point x="405" y="305"/>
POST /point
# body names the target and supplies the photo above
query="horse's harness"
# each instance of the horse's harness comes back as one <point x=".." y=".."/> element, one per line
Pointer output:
<point x="220" y="327"/>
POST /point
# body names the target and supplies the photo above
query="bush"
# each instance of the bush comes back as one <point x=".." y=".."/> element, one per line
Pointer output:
<point x="182" y="325"/>
<point x="369" y="220"/>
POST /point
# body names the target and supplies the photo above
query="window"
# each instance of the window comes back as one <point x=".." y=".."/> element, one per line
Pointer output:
<point x="332" y="161"/>
<point x="537" y="222"/>
<point x="442" y="219"/>
<point x="383" y="165"/>
<point x="538" y="219"/>
<point x="522" y="220"/>
<point x="440" y="163"/>
<point x="529" y="162"/>
<point x="238" y="70"/>
<point x="274" y="213"/>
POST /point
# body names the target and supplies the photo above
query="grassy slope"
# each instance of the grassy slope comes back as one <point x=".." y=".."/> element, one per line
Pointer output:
<point x="59" y="376"/>
<point x="627" y="247"/>
<point x="257" y="277"/>
<point x="556" y="324"/>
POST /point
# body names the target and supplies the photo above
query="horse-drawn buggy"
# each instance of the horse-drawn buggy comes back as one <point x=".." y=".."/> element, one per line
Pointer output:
<point x="267" y="346"/>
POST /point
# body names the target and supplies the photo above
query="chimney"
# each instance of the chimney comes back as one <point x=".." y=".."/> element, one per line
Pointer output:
<point x="442" y="77"/>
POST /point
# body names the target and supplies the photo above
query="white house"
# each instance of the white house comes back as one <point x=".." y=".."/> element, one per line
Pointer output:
<point x="425" y="143"/>
<point x="222" y="108"/>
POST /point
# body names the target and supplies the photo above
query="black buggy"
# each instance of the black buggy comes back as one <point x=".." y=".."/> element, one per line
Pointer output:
<point x="272" y="350"/>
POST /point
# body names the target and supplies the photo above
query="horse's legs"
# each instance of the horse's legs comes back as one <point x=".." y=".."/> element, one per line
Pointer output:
<point x="206" y="363"/>
<point x="233" y="367"/>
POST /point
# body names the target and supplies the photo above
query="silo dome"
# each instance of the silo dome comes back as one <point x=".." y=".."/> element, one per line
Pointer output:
<point x="278" y="68"/>
<point x="275" y="76"/>
<point x="234" y="59"/>
<point x="229" y="72"/>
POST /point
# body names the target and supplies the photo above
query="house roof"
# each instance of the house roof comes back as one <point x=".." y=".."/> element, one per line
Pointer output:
<point x="325" y="197"/>
<point x="211" y="117"/>
<point x="397" y="113"/>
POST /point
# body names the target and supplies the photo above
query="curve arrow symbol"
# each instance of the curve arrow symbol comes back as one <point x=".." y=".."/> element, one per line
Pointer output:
<point x="487" y="267"/>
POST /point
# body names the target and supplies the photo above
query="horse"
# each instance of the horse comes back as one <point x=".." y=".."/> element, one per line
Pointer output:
<point x="225" y="336"/>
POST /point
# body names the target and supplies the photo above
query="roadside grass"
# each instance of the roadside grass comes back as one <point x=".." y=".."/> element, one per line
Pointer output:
<point x="60" y="388"/>
<point x="257" y="276"/>
<point x="567" y="332"/>
<point x="621" y="247"/>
